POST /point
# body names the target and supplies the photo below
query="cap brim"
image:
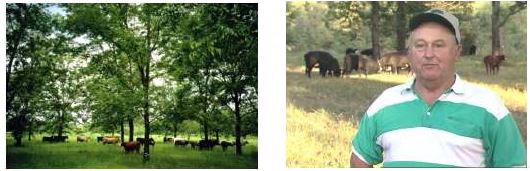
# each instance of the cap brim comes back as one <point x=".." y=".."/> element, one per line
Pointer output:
<point x="430" y="17"/>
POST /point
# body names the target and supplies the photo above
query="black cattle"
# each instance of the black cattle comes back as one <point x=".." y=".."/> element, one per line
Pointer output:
<point x="327" y="63"/>
<point x="99" y="139"/>
<point x="47" y="139"/>
<point x="142" y="141"/>
<point x="225" y="145"/>
<point x="54" y="138"/>
<point x="168" y="139"/>
<point x="208" y="145"/>
<point x="351" y="62"/>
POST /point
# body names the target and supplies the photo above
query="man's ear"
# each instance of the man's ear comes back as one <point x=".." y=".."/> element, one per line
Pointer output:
<point x="459" y="52"/>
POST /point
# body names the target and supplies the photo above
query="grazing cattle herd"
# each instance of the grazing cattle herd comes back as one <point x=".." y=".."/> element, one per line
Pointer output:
<point x="363" y="61"/>
<point x="135" y="146"/>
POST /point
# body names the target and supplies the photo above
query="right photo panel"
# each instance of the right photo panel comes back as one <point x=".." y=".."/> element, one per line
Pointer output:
<point x="406" y="84"/>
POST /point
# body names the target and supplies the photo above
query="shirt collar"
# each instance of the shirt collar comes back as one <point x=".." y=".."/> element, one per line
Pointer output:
<point x="457" y="87"/>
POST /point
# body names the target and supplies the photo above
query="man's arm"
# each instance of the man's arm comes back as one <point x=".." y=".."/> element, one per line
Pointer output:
<point x="355" y="162"/>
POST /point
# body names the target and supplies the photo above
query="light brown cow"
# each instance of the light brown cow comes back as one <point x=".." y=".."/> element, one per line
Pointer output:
<point x="110" y="140"/>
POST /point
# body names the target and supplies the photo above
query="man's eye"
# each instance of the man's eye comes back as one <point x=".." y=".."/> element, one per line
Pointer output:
<point x="419" y="45"/>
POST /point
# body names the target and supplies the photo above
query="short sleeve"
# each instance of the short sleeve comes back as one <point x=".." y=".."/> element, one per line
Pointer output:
<point x="507" y="147"/>
<point x="364" y="143"/>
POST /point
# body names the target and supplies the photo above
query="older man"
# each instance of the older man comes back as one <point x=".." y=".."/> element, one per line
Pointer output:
<point x="436" y="119"/>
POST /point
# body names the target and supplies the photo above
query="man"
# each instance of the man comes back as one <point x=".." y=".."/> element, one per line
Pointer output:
<point x="436" y="119"/>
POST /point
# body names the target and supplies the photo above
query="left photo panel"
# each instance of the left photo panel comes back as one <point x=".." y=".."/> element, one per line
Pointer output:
<point x="131" y="86"/>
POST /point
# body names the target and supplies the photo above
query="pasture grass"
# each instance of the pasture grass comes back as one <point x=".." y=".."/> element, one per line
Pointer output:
<point x="92" y="155"/>
<point x="323" y="113"/>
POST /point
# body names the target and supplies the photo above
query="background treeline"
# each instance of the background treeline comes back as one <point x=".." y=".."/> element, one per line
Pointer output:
<point x="335" y="26"/>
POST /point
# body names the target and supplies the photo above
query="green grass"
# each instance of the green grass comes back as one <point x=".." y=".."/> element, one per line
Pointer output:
<point x="322" y="113"/>
<point x="36" y="154"/>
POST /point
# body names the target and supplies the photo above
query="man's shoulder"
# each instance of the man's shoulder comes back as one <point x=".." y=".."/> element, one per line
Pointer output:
<point x="483" y="98"/>
<point x="391" y="96"/>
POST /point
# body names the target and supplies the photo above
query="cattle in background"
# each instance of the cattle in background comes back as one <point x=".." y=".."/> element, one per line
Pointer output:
<point x="194" y="144"/>
<point x="351" y="62"/>
<point x="142" y="141"/>
<point x="208" y="145"/>
<point x="180" y="142"/>
<point x="110" y="140"/>
<point x="327" y="63"/>
<point x="168" y="139"/>
<point x="131" y="146"/>
<point x="82" y="138"/>
<point x="395" y="61"/>
<point x="225" y="145"/>
<point x="53" y="139"/>
<point x="367" y="65"/>
<point x="492" y="63"/>
<point x="99" y="139"/>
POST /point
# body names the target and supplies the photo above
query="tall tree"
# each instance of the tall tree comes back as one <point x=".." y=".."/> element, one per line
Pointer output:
<point x="375" y="29"/>
<point x="498" y="20"/>
<point x="401" y="28"/>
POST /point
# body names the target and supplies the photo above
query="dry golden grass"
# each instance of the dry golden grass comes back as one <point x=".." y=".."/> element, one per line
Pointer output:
<point x="315" y="139"/>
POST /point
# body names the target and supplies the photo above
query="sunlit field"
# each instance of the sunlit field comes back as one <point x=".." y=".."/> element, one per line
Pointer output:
<point x="92" y="155"/>
<point x="322" y="113"/>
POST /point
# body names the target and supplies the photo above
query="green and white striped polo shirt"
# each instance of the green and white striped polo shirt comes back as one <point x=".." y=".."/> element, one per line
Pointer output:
<point x="467" y="126"/>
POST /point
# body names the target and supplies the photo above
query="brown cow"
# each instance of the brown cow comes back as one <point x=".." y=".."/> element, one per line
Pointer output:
<point x="131" y="146"/>
<point x="367" y="65"/>
<point x="492" y="63"/>
<point x="396" y="61"/>
<point x="110" y="140"/>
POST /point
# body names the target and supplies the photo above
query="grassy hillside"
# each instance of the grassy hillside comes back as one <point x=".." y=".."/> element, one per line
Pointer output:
<point x="322" y="113"/>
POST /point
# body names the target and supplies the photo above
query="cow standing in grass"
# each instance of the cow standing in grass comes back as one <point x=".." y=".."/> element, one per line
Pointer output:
<point x="327" y="63"/>
<point x="82" y="138"/>
<point x="131" y="146"/>
<point x="492" y="63"/>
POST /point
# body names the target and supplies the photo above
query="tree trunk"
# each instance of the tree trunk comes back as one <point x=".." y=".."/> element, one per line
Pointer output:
<point x="495" y="36"/>
<point x="375" y="29"/>
<point x="205" y="126"/>
<point x="216" y="134"/>
<point x="400" y="26"/>
<point x="238" y="124"/>
<point x="131" y="128"/>
<point x="146" y="120"/>
<point x="122" y="130"/>
<point x="30" y="130"/>
<point x="61" y="127"/>
<point x="174" y="129"/>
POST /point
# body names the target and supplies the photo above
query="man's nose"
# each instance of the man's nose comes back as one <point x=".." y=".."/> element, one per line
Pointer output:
<point x="429" y="52"/>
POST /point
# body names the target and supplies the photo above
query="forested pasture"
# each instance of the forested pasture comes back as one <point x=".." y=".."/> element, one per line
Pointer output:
<point x="323" y="113"/>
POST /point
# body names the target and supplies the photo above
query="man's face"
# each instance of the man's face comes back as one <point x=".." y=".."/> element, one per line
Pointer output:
<point x="433" y="52"/>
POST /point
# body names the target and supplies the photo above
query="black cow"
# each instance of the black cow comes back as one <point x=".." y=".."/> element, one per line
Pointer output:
<point x="99" y="139"/>
<point x="54" y="138"/>
<point x="225" y="145"/>
<point x="327" y="63"/>
<point x="142" y="141"/>
<point x="208" y="145"/>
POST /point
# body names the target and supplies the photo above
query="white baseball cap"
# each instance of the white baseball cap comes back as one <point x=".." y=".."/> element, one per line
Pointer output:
<point x="440" y="16"/>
